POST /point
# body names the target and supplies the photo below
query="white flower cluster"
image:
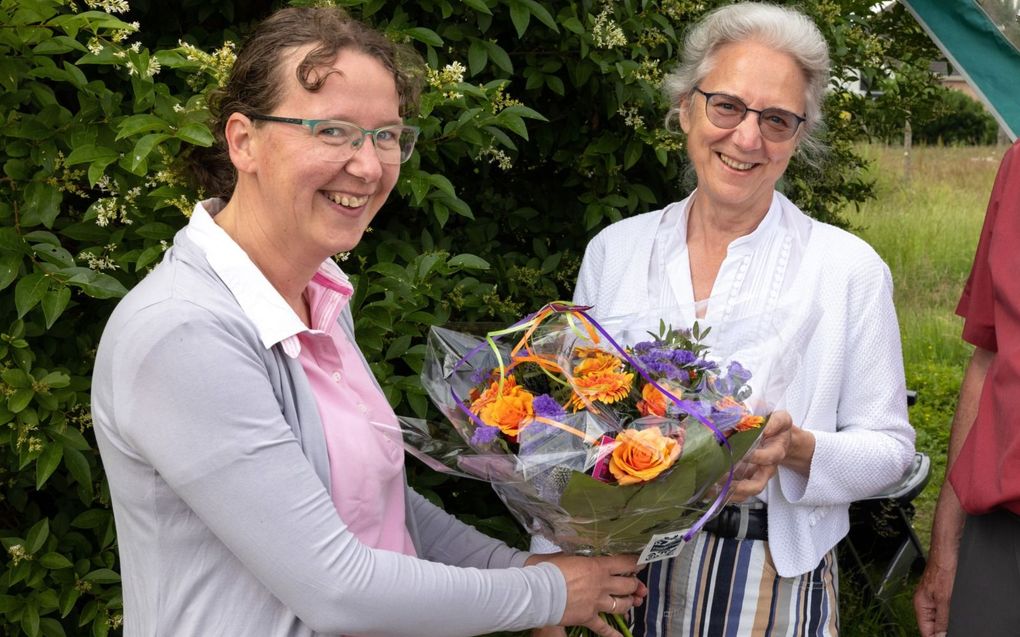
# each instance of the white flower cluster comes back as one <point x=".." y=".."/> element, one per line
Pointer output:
<point x="501" y="100"/>
<point x="496" y="156"/>
<point x="114" y="208"/>
<point x="102" y="261"/>
<point x="152" y="67"/>
<point x="452" y="73"/>
<point x="18" y="553"/>
<point x="164" y="176"/>
<point x="185" y="205"/>
<point x="216" y="64"/>
<point x="682" y="10"/>
<point x="109" y="6"/>
<point x="81" y="416"/>
<point x="649" y="71"/>
<point x="69" y="179"/>
<point x="606" y="33"/>
<point x="667" y="141"/>
<point x="631" y="117"/>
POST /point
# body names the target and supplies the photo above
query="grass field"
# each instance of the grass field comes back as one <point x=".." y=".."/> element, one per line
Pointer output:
<point x="924" y="222"/>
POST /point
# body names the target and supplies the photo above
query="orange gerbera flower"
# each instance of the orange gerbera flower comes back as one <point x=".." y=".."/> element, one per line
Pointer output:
<point x="653" y="402"/>
<point x="594" y="361"/>
<point x="607" y="387"/>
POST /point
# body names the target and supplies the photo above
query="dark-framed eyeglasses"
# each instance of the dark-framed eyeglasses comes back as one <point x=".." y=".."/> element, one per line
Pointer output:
<point x="727" y="111"/>
<point x="339" y="140"/>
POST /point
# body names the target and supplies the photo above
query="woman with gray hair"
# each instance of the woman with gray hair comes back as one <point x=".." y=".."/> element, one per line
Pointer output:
<point x="748" y="96"/>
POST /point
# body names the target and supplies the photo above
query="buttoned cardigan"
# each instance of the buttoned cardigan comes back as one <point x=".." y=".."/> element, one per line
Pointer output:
<point x="218" y="475"/>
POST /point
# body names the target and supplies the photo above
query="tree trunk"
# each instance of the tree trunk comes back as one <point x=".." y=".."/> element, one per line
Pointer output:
<point x="908" y="142"/>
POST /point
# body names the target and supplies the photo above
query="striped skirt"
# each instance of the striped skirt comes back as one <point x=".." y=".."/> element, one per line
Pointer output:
<point x="720" y="587"/>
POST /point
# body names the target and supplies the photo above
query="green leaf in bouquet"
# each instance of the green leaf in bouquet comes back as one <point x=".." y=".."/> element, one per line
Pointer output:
<point x="623" y="517"/>
<point x="742" y="441"/>
<point x="713" y="460"/>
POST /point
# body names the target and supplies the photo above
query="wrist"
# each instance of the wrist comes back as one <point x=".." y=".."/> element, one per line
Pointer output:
<point x="801" y="450"/>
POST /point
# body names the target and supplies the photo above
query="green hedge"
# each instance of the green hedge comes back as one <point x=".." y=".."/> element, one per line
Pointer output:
<point x="541" y="124"/>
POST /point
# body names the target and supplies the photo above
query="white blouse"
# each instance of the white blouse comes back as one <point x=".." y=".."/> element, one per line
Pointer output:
<point x="822" y="294"/>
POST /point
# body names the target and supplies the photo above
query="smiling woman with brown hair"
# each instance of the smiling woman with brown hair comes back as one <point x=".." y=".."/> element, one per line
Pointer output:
<point x="257" y="482"/>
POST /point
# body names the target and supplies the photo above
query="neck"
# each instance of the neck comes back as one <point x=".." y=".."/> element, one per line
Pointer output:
<point x="718" y="226"/>
<point x="287" y="269"/>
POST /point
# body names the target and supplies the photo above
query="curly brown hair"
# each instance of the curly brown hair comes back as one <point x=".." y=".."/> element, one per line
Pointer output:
<point x="255" y="82"/>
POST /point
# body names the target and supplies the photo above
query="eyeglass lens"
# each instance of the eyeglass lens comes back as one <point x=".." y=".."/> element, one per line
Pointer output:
<point x="726" y="111"/>
<point x="340" y="140"/>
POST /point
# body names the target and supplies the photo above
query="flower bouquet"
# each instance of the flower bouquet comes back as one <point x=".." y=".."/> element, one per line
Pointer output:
<point x="597" y="446"/>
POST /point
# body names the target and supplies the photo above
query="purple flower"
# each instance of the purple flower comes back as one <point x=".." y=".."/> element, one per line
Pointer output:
<point x="480" y="375"/>
<point x="736" y="377"/>
<point x="484" y="434"/>
<point x="682" y="357"/>
<point x="737" y="372"/>
<point x="726" y="418"/>
<point x="662" y="361"/>
<point x="537" y="433"/>
<point x="546" y="406"/>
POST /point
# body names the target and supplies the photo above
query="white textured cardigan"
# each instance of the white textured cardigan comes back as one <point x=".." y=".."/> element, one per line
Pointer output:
<point x="849" y="389"/>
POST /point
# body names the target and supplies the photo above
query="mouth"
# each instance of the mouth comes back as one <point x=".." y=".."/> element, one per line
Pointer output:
<point x="346" y="200"/>
<point x="734" y="164"/>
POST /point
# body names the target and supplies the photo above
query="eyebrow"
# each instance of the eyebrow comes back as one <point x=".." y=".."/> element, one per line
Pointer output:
<point x="780" y="108"/>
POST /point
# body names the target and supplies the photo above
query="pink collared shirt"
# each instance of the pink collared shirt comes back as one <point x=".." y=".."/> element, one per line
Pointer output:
<point x="366" y="457"/>
<point x="366" y="461"/>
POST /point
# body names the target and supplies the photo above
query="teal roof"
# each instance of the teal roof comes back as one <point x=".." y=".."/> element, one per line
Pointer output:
<point x="979" y="51"/>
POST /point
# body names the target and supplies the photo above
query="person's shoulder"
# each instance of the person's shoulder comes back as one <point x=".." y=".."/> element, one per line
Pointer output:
<point x="176" y="294"/>
<point x="847" y="243"/>
<point x="842" y="253"/>
<point x="631" y="228"/>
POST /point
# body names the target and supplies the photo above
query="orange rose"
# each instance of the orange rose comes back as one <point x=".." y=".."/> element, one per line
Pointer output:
<point x="653" y="402"/>
<point x="642" y="455"/>
<point x="510" y="411"/>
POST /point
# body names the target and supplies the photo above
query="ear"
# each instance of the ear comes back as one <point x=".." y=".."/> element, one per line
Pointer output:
<point x="240" y="137"/>
<point x="684" y="114"/>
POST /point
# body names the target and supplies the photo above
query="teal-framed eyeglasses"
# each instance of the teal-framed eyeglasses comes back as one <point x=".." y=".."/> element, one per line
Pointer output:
<point x="339" y="140"/>
<point x="727" y="111"/>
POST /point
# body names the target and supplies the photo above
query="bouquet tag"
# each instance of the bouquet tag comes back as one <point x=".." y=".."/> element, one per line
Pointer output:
<point x="663" y="546"/>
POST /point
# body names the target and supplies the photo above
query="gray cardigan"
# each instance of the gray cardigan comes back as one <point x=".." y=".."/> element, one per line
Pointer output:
<point x="219" y="477"/>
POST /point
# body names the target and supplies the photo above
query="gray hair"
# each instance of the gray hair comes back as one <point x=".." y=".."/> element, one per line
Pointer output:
<point x="780" y="28"/>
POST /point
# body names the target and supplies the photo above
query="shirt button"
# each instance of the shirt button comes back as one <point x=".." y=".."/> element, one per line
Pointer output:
<point x="336" y="377"/>
<point x="363" y="407"/>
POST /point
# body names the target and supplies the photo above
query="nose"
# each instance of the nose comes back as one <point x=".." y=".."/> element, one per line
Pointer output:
<point x="747" y="134"/>
<point x="364" y="163"/>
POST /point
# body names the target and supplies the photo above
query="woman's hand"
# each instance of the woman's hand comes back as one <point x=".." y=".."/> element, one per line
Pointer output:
<point x="752" y="474"/>
<point x="596" y="585"/>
